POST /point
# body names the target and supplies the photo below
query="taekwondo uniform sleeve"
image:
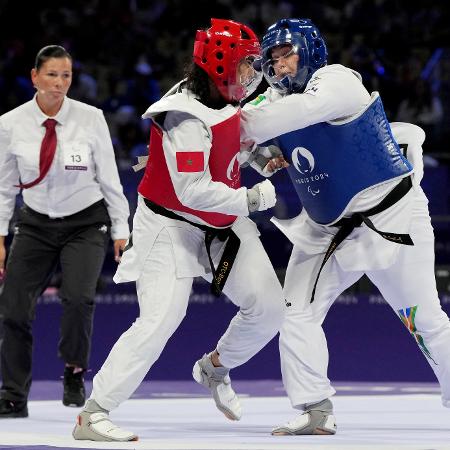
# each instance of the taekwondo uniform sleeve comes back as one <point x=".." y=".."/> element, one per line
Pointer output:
<point x="193" y="185"/>
<point x="334" y="92"/>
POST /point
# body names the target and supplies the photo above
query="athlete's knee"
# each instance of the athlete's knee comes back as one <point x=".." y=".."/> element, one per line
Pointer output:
<point x="153" y="329"/>
<point x="272" y="315"/>
<point x="433" y="328"/>
<point x="145" y="340"/>
<point x="267" y="315"/>
<point x="270" y="306"/>
<point x="278" y="313"/>
<point x="429" y="319"/>
<point x="429" y="326"/>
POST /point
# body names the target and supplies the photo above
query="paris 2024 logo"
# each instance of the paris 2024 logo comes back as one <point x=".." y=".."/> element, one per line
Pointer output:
<point x="304" y="162"/>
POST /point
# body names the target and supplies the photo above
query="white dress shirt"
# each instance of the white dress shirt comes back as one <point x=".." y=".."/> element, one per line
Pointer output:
<point x="83" y="170"/>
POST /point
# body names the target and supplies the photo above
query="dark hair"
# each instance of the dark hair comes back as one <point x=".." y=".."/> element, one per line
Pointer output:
<point x="198" y="81"/>
<point x="50" y="51"/>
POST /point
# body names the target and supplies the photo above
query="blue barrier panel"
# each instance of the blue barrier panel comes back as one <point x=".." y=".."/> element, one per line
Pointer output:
<point x="366" y="339"/>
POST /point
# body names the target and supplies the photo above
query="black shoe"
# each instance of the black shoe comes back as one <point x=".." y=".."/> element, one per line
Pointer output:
<point x="74" y="392"/>
<point x="11" y="409"/>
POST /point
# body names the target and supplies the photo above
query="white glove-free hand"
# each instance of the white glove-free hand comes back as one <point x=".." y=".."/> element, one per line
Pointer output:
<point x="261" y="196"/>
<point x="265" y="160"/>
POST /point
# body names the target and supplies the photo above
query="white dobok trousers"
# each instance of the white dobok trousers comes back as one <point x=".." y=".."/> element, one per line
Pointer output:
<point x="165" y="257"/>
<point x="403" y="274"/>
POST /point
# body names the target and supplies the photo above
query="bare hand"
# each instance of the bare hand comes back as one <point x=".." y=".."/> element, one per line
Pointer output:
<point x="119" y="245"/>
<point x="247" y="146"/>
<point x="2" y="257"/>
<point x="276" y="164"/>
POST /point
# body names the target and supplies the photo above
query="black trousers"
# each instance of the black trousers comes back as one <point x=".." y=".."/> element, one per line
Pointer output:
<point x="79" y="242"/>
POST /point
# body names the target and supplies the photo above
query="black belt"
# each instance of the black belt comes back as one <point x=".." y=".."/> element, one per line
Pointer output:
<point x="219" y="274"/>
<point x="348" y="224"/>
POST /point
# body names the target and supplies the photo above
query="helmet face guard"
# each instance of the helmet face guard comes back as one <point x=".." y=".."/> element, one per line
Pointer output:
<point x="305" y="41"/>
<point x="250" y="83"/>
<point x="220" y="50"/>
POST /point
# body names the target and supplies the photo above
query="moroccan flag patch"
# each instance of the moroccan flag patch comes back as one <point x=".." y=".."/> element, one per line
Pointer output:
<point x="190" y="161"/>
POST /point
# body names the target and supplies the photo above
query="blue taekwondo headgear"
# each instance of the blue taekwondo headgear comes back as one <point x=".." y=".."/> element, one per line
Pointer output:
<point x="306" y="42"/>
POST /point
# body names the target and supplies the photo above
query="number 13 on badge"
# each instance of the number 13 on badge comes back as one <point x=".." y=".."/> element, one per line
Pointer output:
<point x="76" y="158"/>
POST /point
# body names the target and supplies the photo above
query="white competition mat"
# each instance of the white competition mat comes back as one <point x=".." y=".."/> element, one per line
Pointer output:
<point x="378" y="422"/>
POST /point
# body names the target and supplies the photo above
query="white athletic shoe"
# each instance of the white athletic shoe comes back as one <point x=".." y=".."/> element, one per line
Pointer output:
<point x="218" y="381"/>
<point x="318" y="418"/>
<point x="97" y="427"/>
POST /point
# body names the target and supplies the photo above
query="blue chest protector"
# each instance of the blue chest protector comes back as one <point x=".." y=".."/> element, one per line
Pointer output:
<point x="330" y="163"/>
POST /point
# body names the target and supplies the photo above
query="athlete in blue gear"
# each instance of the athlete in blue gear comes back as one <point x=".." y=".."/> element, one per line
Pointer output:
<point x="364" y="212"/>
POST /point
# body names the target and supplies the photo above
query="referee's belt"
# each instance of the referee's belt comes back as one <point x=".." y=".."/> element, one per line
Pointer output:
<point x="348" y="224"/>
<point x="219" y="274"/>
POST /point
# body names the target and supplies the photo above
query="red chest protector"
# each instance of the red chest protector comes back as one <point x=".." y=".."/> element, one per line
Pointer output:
<point x="156" y="185"/>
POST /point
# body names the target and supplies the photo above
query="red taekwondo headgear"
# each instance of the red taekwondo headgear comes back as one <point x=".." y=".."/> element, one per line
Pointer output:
<point x="218" y="52"/>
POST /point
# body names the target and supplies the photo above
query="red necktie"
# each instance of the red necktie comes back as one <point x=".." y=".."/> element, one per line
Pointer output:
<point x="48" y="148"/>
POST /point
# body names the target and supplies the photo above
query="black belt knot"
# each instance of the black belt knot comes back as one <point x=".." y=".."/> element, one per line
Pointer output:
<point x="348" y="224"/>
<point x="219" y="274"/>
